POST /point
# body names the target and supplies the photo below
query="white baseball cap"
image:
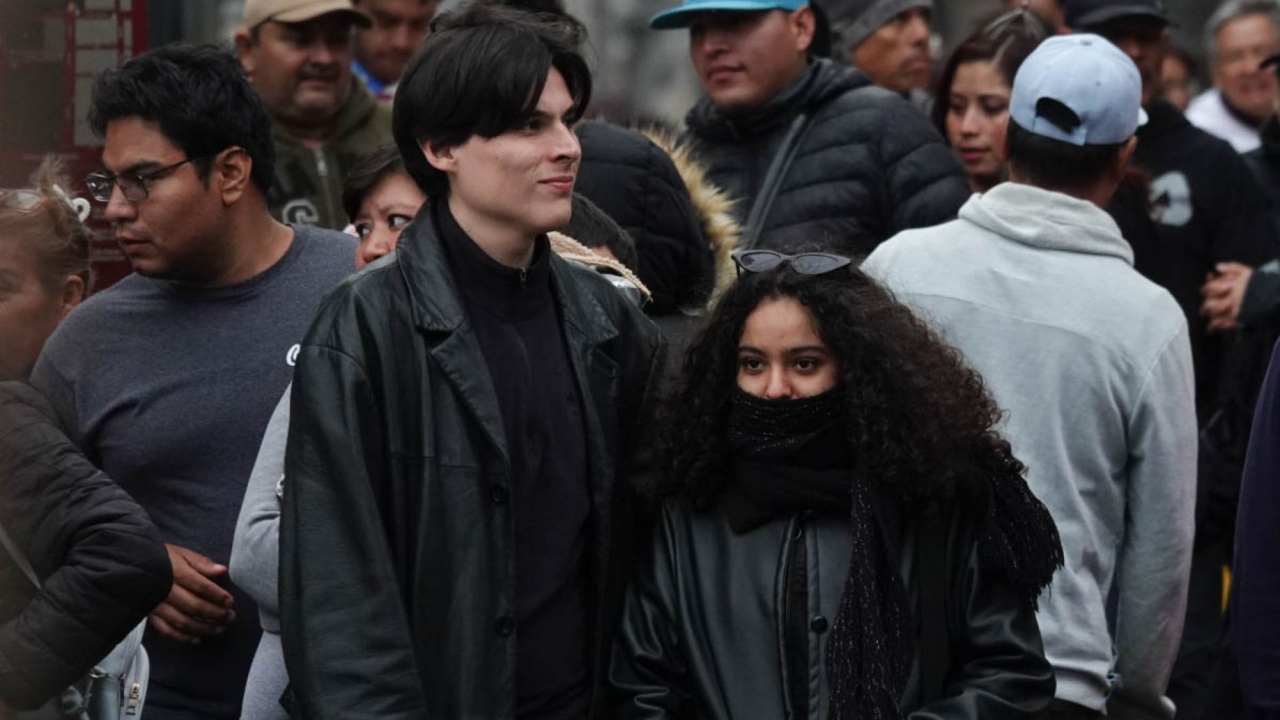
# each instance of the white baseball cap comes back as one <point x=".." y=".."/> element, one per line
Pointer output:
<point x="1088" y="75"/>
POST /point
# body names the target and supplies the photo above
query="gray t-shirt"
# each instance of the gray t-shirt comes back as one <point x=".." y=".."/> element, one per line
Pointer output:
<point x="168" y="389"/>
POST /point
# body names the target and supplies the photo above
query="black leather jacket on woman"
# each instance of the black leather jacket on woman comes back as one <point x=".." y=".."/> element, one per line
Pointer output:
<point x="706" y="617"/>
<point x="398" y="527"/>
<point x="100" y="559"/>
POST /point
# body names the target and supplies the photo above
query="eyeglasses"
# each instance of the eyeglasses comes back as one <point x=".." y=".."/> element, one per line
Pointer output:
<point x="20" y="200"/>
<point x="809" y="263"/>
<point x="134" y="185"/>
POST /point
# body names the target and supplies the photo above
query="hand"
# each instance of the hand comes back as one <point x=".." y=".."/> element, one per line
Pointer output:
<point x="1223" y="294"/>
<point x="196" y="607"/>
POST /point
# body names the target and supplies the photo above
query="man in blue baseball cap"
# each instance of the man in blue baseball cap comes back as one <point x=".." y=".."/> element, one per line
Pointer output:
<point x="1091" y="363"/>
<point x="1211" y="220"/>
<point x="812" y="151"/>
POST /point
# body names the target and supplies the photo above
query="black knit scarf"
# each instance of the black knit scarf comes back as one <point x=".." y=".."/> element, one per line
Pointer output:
<point x="793" y="455"/>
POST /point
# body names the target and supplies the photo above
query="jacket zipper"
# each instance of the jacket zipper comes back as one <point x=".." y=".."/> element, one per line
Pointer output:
<point x="322" y="171"/>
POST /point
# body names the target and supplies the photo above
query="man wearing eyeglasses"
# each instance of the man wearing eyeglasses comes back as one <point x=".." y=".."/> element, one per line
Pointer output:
<point x="298" y="55"/>
<point x="811" y="150"/>
<point x="1036" y="286"/>
<point x="167" y="379"/>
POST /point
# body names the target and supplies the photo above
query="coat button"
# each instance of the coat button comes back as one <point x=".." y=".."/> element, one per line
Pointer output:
<point x="819" y="624"/>
<point x="499" y="494"/>
<point x="505" y="626"/>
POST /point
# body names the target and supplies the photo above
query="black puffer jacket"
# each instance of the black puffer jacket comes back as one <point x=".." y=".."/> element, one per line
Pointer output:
<point x="636" y="183"/>
<point x="99" y="558"/>
<point x="398" y="531"/>
<point x="707" y="618"/>
<point x="869" y="166"/>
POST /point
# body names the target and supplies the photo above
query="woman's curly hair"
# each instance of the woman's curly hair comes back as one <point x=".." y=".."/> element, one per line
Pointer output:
<point x="919" y="419"/>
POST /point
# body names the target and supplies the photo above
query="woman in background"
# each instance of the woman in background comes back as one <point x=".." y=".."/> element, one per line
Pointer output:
<point x="972" y="101"/>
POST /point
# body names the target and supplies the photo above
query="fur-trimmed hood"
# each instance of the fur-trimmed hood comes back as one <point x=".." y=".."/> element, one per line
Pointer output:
<point x="681" y="225"/>
<point x="714" y="205"/>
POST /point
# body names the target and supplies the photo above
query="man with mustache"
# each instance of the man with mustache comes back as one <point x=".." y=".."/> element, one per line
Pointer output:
<point x="298" y="54"/>
<point x="812" y="150"/>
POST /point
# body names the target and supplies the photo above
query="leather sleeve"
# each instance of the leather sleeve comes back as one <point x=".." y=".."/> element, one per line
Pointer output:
<point x="101" y="561"/>
<point x="999" y="671"/>
<point x="345" y="630"/>
<point x="648" y="671"/>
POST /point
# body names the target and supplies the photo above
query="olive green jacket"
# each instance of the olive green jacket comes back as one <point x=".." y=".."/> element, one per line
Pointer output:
<point x="308" y="180"/>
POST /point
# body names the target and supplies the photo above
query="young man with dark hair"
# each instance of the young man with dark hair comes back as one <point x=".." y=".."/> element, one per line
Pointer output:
<point x="457" y="517"/>
<point x="1091" y="362"/>
<point x="166" y="379"/>
<point x="811" y="150"/>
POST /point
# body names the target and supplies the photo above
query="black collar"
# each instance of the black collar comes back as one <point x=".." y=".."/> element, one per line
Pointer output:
<point x="508" y="291"/>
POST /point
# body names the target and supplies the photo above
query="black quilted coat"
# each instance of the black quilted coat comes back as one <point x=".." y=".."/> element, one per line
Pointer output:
<point x="869" y="166"/>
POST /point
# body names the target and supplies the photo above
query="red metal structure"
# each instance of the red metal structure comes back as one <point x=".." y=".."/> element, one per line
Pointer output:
<point x="50" y="54"/>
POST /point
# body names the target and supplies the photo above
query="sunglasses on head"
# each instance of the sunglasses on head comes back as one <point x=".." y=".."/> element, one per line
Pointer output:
<point x="809" y="263"/>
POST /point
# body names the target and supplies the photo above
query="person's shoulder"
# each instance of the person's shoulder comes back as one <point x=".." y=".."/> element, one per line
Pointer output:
<point x="21" y="404"/>
<point x="919" y="247"/>
<point x="1204" y="107"/>
<point x="590" y="283"/>
<point x="122" y="298"/>
<point x="326" y="243"/>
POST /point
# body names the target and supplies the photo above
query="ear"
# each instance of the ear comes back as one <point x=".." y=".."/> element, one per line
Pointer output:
<point x="73" y="291"/>
<point x="441" y="157"/>
<point x="1126" y="154"/>
<point x="245" y="47"/>
<point x="803" y="27"/>
<point x="233" y="170"/>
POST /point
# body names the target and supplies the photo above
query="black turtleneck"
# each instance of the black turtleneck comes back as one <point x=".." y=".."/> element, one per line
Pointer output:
<point x="516" y="319"/>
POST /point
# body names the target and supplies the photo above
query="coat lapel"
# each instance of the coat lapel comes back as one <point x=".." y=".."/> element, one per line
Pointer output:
<point x="438" y="312"/>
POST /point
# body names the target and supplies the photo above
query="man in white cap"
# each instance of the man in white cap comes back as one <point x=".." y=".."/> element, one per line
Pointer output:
<point x="297" y="54"/>
<point x="1091" y="361"/>
<point x="812" y="150"/>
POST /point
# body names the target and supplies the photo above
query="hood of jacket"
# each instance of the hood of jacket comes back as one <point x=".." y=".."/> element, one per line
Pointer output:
<point x="714" y="206"/>
<point x="638" y="185"/>
<point x="821" y="81"/>
<point x="1046" y="219"/>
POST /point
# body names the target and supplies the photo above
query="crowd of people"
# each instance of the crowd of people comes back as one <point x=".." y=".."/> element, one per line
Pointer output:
<point x="888" y="386"/>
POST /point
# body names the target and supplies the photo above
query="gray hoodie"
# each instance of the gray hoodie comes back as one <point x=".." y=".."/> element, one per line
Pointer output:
<point x="1092" y="365"/>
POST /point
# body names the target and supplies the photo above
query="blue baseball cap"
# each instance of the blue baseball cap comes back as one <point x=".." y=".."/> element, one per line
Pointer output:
<point x="1097" y="83"/>
<point x="677" y="18"/>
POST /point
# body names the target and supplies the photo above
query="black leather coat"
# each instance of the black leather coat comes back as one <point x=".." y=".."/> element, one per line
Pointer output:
<point x="704" y="621"/>
<point x="397" y="556"/>
<point x="869" y="166"/>
<point x="99" y="557"/>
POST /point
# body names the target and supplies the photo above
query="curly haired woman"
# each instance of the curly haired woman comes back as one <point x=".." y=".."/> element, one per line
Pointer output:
<point x="843" y="533"/>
